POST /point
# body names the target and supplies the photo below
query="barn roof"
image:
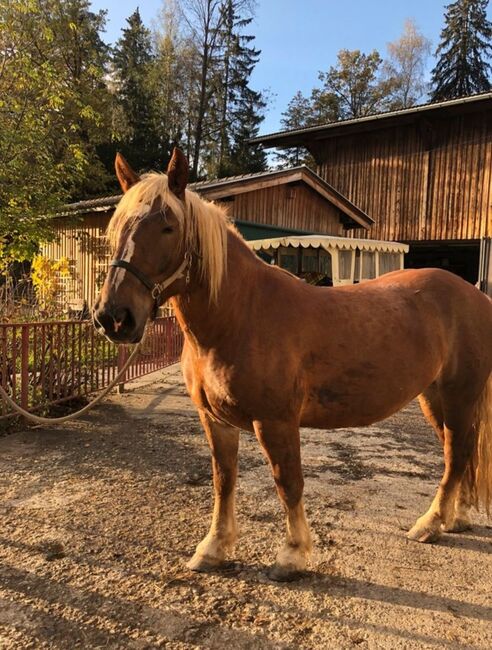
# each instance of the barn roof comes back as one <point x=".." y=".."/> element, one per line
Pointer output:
<point x="223" y="188"/>
<point x="302" y="137"/>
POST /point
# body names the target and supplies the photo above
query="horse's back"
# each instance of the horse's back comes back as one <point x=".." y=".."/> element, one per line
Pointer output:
<point x="381" y="343"/>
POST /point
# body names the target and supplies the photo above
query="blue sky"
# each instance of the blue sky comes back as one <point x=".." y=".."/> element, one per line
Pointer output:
<point x="300" y="37"/>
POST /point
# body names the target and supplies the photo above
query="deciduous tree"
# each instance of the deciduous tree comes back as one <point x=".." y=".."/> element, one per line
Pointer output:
<point x="355" y="83"/>
<point x="404" y="68"/>
<point x="51" y="67"/>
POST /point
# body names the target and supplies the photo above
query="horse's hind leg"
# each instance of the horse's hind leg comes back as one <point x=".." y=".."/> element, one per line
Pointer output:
<point x="461" y="519"/>
<point x="224" y="443"/>
<point x="431" y="405"/>
<point x="458" y="436"/>
<point x="281" y="444"/>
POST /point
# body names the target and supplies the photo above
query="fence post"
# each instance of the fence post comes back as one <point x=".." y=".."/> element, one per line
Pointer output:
<point x="24" y="367"/>
<point x="122" y="357"/>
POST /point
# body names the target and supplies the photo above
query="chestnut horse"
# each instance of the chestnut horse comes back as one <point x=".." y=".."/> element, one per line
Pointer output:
<point x="266" y="352"/>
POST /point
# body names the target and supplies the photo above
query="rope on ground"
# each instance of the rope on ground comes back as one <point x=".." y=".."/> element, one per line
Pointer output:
<point x="36" y="419"/>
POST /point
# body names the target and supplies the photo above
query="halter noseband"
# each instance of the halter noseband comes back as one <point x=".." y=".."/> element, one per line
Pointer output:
<point x="156" y="288"/>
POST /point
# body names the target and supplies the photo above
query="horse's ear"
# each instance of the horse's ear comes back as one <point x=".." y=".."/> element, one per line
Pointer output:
<point x="126" y="176"/>
<point x="177" y="173"/>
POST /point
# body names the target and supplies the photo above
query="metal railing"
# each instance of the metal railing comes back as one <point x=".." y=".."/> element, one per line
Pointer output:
<point x="42" y="364"/>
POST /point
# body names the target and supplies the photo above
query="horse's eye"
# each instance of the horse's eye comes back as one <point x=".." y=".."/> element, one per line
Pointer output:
<point x="167" y="229"/>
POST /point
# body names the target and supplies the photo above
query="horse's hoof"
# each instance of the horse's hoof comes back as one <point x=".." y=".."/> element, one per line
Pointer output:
<point x="203" y="563"/>
<point x="282" y="573"/>
<point x="458" y="526"/>
<point x="423" y="535"/>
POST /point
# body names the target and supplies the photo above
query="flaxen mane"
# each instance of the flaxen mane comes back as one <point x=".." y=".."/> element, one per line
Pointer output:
<point x="204" y="224"/>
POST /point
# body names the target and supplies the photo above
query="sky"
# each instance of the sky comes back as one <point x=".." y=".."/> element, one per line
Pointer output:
<point x="298" y="38"/>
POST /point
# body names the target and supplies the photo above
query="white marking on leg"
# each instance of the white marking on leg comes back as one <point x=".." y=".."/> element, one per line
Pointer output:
<point x="295" y="552"/>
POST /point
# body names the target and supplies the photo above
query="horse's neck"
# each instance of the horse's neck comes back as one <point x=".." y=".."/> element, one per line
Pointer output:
<point x="207" y="324"/>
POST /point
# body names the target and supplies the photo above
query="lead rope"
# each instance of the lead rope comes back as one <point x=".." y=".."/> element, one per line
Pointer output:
<point x="156" y="293"/>
<point x="37" y="419"/>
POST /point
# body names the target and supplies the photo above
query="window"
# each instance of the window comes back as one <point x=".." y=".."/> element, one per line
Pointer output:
<point x="389" y="262"/>
<point x="325" y="263"/>
<point x="309" y="261"/>
<point x="368" y="265"/>
<point x="345" y="265"/>
<point x="288" y="259"/>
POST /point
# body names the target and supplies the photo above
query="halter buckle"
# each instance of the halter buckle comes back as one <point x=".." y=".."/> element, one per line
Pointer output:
<point x="156" y="291"/>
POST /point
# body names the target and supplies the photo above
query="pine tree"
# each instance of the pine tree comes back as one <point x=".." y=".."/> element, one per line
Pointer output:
<point x="296" y="116"/>
<point x="245" y="158"/>
<point x="239" y="108"/>
<point x="133" y="62"/>
<point x="462" y="68"/>
<point x="320" y="108"/>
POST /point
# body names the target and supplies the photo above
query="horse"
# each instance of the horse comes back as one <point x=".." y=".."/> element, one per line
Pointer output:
<point x="267" y="353"/>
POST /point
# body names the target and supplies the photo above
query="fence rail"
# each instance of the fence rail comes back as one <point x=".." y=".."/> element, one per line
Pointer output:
<point x="43" y="364"/>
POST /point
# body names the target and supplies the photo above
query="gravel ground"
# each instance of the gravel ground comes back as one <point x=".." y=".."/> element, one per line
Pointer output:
<point x="98" y="518"/>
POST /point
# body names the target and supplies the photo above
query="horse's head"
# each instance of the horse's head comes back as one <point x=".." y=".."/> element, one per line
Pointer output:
<point x="150" y="258"/>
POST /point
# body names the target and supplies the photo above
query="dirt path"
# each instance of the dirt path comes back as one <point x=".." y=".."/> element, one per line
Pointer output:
<point x="98" y="518"/>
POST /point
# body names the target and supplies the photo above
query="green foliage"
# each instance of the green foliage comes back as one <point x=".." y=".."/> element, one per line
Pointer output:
<point x="350" y="89"/>
<point x="466" y="43"/>
<point x="136" y="102"/>
<point x="354" y="83"/>
<point x="221" y="110"/>
<point x="173" y="78"/>
<point x="50" y="109"/>
<point x="239" y="109"/>
<point x="64" y="110"/>
<point x="359" y="85"/>
<point x="301" y="113"/>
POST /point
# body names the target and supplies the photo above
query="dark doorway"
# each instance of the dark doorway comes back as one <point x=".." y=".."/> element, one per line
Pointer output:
<point x="461" y="258"/>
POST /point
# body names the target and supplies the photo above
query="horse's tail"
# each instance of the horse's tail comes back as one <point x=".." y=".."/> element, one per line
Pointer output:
<point x="481" y="465"/>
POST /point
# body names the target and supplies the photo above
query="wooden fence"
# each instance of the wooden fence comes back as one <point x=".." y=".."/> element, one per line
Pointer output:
<point x="42" y="364"/>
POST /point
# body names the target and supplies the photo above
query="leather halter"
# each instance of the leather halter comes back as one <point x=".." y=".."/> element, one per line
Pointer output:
<point x="156" y="288"/>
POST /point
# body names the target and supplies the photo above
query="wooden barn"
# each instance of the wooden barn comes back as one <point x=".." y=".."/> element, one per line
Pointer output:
<point x="270" y="204"/>
<point x="424" y="174"/>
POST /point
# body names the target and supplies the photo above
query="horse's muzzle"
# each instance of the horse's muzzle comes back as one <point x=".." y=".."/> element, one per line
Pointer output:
<point x="117" y="323"/>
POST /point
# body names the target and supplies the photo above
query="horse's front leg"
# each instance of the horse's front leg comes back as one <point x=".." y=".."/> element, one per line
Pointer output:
<point x="224" y="443"/>
<point x="281" y="443"/>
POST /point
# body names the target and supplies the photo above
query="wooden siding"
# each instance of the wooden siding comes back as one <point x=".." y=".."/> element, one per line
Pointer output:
<point x="81" y="240"/>
<point x="430" y="180"/>
<point x="288" y="206"/>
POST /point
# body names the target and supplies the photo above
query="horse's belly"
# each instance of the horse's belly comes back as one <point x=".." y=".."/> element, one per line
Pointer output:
<point x="333" y="406"/>
<point x="339" y="416"/>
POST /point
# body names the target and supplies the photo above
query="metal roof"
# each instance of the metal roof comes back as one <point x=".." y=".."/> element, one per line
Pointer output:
<point x="300" y="136"/>
<point x="223" y="187"/>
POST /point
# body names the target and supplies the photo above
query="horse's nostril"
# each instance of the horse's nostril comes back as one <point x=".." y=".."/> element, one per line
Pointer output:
<point x="123" y="319"/>
<point x="103" y="319"/>
<point x="118" y="321"/>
